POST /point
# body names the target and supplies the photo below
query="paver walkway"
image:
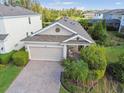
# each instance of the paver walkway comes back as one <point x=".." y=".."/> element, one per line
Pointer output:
<point x="38" y="77"/>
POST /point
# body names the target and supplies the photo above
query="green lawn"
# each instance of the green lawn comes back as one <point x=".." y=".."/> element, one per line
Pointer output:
<point x="114" y="52"/>
<point x="115" y="39"/>
<point x="7" y="75"/>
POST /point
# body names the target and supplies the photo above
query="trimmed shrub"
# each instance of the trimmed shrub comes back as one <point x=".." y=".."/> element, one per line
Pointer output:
<point x="95" y="56"/>
<point x="6" y="58"/>
<point x="76" y="70"/>
<point x="20" y="58"/>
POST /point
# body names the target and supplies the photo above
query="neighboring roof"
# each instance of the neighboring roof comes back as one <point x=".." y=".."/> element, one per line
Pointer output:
<point x="14" y="11"/>
<point x="102" y="11"/>
<point x="47" y="38"/>
<point x="3" y="36"/>
<point x="117" y="12"/>
<point x="75" y="26"/>
<point x="112" y="12"/>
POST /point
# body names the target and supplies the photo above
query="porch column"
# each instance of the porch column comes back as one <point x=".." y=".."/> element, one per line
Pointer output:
<point x="65" y="51"/>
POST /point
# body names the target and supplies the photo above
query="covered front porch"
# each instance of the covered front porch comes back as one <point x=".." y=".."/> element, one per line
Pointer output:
<point x="73" y="48"/>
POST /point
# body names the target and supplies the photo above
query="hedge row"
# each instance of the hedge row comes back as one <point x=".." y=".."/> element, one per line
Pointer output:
<point x="6" y="58"/>
<point x="19" y="58"/>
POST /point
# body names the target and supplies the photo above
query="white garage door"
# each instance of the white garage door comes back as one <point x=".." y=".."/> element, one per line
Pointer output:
<point x="46" y="53"/>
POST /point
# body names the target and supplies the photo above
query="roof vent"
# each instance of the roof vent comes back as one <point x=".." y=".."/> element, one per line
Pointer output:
<point x="65" y="19"/>
<point x="72" y="23"/>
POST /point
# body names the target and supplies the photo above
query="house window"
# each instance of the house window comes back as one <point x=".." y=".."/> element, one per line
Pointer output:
<point x="27" y="34"/>
<point x="57" y="29"/>
<point x="32" y="33"/>
<point x="29" y="20"/>
<point x="2" y="48"/>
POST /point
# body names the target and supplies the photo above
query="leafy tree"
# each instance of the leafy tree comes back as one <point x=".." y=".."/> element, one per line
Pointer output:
<point x="99" y="32"/>
<point x="95" y="56"/>
<point x="84" y="23"/>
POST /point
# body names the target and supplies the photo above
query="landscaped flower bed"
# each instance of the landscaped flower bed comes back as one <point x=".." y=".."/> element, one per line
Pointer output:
<point x="73" y="86"/>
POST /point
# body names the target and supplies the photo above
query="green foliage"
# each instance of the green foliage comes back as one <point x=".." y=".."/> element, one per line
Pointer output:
<point x="84" y="23"/>
<point x="99" y="32"/>
<point x="20" y="58"/>
<point x="116" y="70"/>
<point x="2" y="66"/>
<point x="95" y="74"/>
<point x="48" y="15"/>
<point x="6" y="58"/>
<point x="76" y="70"/>
<point x="120" y="35"/>
<point x="95" y="56"/>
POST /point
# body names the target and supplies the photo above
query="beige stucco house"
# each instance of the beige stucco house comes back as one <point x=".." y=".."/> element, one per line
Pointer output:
<point x="56" y="40"/>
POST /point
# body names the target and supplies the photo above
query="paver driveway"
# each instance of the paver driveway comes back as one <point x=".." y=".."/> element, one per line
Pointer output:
<point x="38" y="77"/>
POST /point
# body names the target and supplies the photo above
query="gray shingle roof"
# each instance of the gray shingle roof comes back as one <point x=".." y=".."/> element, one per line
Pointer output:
<point x="47" y="38"/>
<point x="112" y="12"/>
<point x="117" y="12"/>
<point x="14" y="11"/>
<point x="3" y="36"/>
<point x="77" y="42"/>
<point x="75" y="26"/>
<point x="102" y="11"/>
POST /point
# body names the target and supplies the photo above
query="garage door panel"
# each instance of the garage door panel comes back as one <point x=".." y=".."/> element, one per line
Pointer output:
<point x="46" y="53"/>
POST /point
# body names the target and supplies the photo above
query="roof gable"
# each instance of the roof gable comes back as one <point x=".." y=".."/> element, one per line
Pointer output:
<point x="71" y="26"/>
<point x="77" y="38"/>
<point x="51" y="30"/>
<point x="75" y="26"/>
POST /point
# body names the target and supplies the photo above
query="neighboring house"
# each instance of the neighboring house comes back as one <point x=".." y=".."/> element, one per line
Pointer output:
<point x="4" y="1"/>
<point x="89" y="14"/>
<point x="16" y="23"/>
<point x="112" y="15"/>
<point x="100" y="14"/>
<point x="57" y="40"/>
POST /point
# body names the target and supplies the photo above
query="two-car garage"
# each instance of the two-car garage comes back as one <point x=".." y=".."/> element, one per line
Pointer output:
<point x="52" y="53"/>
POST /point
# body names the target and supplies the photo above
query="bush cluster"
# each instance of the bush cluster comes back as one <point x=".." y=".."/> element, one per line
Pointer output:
<point x="76" y="70"/>
<point x="120" y="35"/>
<point x="6" y="58"/>
<point x="95" y="56"/>
<point x="116" y="70"/>
<point x="20" y="58"/>
<point x="99" y="32"/>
